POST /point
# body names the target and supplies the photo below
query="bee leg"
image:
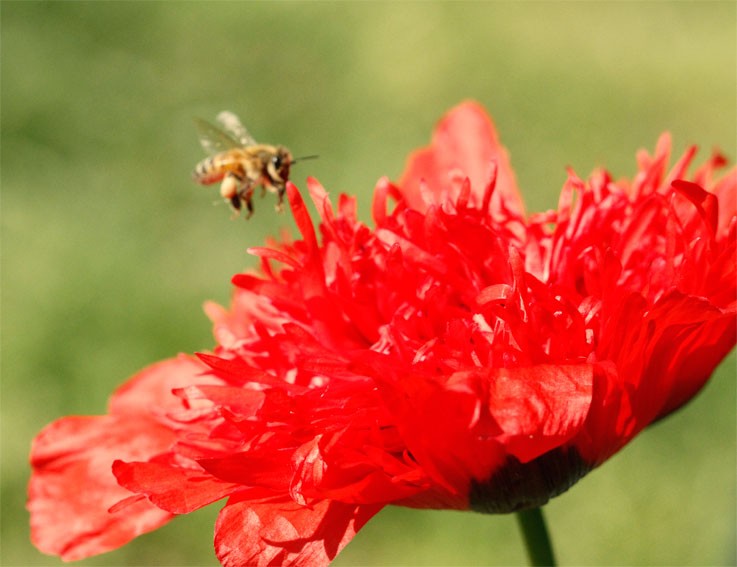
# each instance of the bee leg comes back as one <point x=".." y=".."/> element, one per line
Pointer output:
<point x="281" y="190"/>
<point x="246" y="196"/>
<point x="229" y="191"/>
<point x="235" y="204"/>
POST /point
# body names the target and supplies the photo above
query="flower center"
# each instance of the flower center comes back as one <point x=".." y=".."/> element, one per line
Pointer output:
<point x="521" y="486"/>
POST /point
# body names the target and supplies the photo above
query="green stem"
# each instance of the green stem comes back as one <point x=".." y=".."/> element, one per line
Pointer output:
<point x="537" y="540"/>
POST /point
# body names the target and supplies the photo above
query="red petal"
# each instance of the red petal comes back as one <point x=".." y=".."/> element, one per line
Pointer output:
<point x="265" y="468"/>
<point x="706" y="203"/>
<point x="688" y="338"/>
<point x="273" y="254"/>
<point x="465" y="140"/>
<point x="283" y="533"/>
<point x="540" y="407"/>
<point x="312" y="276"/>
<point x="72" y="486"/>
<point x="175" y="489"/>
<point x="726" y="192"/>
<point x="151" y="389"/>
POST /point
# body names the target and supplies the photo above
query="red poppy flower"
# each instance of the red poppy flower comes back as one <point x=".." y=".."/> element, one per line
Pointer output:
<point x="459" y="354"/>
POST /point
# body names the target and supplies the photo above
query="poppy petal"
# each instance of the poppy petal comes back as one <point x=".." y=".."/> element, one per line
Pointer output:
<point x="283" y="533"/>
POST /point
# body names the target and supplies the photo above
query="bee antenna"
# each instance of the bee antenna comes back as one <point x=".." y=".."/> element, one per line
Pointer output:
<point x="304" y="158"/>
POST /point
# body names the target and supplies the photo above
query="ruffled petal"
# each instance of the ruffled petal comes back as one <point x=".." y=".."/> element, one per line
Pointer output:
<point x="150" y="391"/>
<point x="72" y="487"/>
<point x="275" y="532"/>
<point x="540" y="407"/>
<point x="465" y="142"/>
<point x="178" y="490"/>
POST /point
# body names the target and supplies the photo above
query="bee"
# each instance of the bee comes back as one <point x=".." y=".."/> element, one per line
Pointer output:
<point x="241" y="164"/>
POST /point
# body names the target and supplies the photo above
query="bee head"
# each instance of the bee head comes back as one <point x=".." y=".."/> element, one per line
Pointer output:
<point x="278" y="165"/>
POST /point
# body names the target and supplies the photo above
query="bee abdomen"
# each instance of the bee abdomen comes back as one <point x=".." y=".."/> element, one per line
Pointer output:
<point x="208" y="171"/>
<point x="202" y="169"/>
<point x="214" y="168"/>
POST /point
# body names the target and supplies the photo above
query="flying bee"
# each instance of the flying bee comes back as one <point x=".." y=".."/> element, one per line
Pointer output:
<point x="241" y="164"/>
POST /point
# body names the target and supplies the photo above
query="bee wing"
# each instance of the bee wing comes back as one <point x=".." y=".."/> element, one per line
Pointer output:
<point x="232" y="125"/>
<point x="213" y="139"/>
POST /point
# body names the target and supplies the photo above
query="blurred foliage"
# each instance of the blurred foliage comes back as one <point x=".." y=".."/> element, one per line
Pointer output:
<point x="109" y="249"/>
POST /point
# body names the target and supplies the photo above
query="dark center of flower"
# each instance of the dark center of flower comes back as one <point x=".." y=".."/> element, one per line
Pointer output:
<point x="520" y="486"/>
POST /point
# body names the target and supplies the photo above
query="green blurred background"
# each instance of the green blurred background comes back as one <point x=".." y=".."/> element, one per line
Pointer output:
<point x="109" y="249"/>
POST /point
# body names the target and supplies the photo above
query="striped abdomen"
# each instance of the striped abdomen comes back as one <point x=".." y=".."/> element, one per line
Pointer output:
<point x="213" y="169"/>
